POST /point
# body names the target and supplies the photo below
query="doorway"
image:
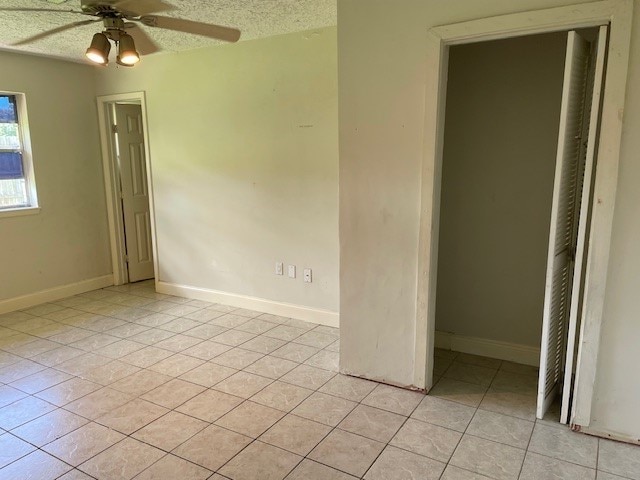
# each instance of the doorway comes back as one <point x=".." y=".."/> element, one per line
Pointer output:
<point x="473" y="293"/>
<point x="520" y="135"/>
<point x="128" y="185"/>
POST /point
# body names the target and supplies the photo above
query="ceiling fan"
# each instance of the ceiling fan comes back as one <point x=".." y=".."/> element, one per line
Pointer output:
<point x="122" y="20"/>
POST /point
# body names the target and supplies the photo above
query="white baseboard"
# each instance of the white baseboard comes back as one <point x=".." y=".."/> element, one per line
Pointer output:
<point x="55" y="293"/>
<point x="314" y="315"/>
<point x="513" y="352"/>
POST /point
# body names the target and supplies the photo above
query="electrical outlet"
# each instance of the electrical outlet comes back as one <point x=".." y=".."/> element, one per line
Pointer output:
<point x="307" y="275"/>
<point x="279" y="268"/>
<point x="292" y="271"/>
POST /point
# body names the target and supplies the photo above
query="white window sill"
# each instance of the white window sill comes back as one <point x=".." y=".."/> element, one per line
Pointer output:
<point x="19" y="212"/>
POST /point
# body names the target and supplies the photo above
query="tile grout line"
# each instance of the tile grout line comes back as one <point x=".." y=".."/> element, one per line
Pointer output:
<point x="526" y="450"/>
<point x="256" y="439"/>
<point x="393" y="436"/>
<point x="467" y="426"/>
<point x="483" y="396"/>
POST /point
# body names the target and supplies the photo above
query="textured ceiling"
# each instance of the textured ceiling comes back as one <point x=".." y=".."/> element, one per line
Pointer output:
<point x="255" y="18"/>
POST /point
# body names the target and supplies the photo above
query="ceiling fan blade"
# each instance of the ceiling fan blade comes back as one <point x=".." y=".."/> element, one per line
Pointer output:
<point x="189" y="26"/>
<point x="144" y="44"/>
<point x="138" y="8"/>
<point x="53" y="31"/>
<point x="59" y="10"/>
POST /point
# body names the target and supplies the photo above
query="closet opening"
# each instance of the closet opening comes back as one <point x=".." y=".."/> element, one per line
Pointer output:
<point x="520" y="136"/>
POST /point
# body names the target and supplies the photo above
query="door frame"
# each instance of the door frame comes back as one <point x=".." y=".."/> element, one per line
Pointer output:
<point x="618" y="15"/>
<point x="111" y="179"/>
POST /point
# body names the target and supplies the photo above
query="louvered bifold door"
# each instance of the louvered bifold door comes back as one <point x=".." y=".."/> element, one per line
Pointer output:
<point x="563" y="217"/>
<point x="589" y="143"/>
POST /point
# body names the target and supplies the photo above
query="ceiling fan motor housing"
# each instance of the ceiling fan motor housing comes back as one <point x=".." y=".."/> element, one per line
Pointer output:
<point x="97" y="7"/>
<point x="114" y="27"/>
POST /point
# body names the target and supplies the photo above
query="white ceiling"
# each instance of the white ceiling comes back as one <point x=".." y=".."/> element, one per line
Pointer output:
<point x="255" y="18"/>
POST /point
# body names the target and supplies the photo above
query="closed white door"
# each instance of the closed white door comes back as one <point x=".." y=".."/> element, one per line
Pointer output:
<point x="590" y="135"/>
<point x="135" y="191"/>
<point x="560" y="258"/>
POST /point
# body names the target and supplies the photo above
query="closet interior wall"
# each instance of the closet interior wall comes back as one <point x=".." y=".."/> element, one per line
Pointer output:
<point x="501" y="132"/>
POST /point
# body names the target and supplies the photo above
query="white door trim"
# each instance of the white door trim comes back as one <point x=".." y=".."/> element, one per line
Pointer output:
<point x="616" y="13"/>
<point x="114" y="205"/>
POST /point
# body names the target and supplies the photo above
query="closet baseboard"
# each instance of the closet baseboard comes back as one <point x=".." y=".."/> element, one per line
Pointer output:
<point x="512" y="352"/>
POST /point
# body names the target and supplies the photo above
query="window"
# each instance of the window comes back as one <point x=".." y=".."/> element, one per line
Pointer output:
<point x="17" y="185"/>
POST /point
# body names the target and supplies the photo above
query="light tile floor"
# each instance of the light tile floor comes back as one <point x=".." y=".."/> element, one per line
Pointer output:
<point x="126" y="383"/>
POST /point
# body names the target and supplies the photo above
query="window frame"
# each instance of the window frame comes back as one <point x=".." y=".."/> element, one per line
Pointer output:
<point x="32" y="206"/>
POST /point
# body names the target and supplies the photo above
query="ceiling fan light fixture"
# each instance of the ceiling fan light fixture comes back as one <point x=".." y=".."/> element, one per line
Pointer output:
<point x="98" y="51"/>
<point x="127" y="54"/>
<point x="118" y="16"/>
